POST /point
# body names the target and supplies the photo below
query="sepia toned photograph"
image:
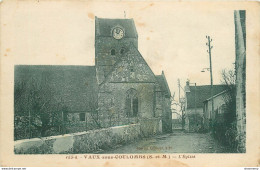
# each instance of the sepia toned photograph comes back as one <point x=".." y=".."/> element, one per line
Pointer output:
<point x="125" y="81"/>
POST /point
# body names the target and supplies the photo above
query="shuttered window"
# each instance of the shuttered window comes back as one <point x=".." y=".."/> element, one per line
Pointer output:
<point x="82" y="116"/>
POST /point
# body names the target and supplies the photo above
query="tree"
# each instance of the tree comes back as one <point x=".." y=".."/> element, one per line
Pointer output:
<point x="225" y="130"/>
<point x="36" y="100"/>
<point x="229" y="79"/>
<point x="180" y="111"/>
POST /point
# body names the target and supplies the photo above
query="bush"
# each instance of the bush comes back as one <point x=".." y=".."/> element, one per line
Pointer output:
<point x="226" y="133"/>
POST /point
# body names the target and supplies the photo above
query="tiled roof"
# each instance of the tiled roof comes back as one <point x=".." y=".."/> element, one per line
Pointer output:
<point x="76" y="86"/>
<point x="202" y="94"/>
<point x="105" y="26"/>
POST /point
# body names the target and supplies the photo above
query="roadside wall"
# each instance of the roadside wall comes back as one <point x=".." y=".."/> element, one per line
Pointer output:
<point x="82" y="142"/>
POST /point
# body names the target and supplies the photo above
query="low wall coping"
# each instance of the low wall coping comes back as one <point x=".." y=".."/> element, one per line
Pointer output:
<point x="18" y="142"/>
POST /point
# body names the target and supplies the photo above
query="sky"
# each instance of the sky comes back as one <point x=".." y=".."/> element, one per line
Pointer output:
<point x="172" y="36"/>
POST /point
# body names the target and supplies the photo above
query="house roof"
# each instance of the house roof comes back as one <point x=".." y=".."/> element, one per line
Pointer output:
<point x="76" y="86"/>
<point x="202" y="94"/>
<point x="216" y="95"/>
<point x="163" y="84"/>
<point x="104" y="27"/>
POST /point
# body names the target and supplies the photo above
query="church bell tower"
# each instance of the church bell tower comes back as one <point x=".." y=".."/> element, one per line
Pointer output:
<point x="112" y="40"/>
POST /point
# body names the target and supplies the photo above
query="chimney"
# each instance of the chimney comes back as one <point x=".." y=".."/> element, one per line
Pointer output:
<point x="188" y="83"/>
<point x="187" y="87"/>
<point x="162" y="72"/>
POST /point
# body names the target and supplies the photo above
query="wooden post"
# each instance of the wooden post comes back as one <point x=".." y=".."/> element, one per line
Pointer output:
<point x="62" y="123"/>
<point x="86" y="121"/>
<point x="29" y="124"/>
<point x="211" y="77"/>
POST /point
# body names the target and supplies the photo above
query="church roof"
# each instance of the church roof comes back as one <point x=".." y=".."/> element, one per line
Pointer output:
<point x="202" y="94"/>
<point x="163" y="84"/>
<point x="75" y="86"/>
<point x="104" y="27"/>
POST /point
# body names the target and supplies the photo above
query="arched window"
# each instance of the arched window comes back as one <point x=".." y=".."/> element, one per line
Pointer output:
<point x="122" y="51"/>
<point x="131" y="103"/>
<point x="113" y="52"/>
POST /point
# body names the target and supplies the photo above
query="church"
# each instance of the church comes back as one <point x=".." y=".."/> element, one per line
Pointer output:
<point x="120" y="89"/>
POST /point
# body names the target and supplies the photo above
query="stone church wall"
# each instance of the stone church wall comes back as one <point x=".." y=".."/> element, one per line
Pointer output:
<point x="167" y="116"/>
<point x="112" y="102"/>
<point x="104" y="59"/>
<point x="119" y="68"/>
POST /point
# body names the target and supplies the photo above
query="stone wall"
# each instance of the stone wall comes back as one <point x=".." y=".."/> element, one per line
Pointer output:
<point x="132" y="72"/>
<point x="82" y="142"/>
<point x="112" y="102"/>
<point x="104" y="59"/>
<point x="167" y="116"/>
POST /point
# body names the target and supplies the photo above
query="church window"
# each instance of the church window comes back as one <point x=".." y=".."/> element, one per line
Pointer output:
<point x="135" y="106"/>
<point x="131" y="103"/>
<point x="113" y="52"/>
<point x="122" y="51"/>
<point x="82" y="116"/>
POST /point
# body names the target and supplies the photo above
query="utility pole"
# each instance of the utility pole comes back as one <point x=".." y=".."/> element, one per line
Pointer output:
<point x="195" y="98"/>
<point x="181" y="105"/>
<point x="182" y="116"/>
<point x="211" y="77"/>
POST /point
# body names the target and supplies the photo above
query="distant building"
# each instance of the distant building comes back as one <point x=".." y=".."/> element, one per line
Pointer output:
<point x="120" y="89"/>
<point x="195" y="96"/>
